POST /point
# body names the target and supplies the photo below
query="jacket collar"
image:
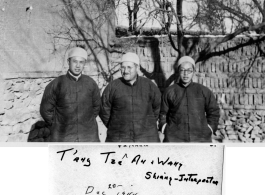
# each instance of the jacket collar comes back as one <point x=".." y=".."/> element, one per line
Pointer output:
<point x="128" y="83"/>
<point x="73" y="77"/>
<point x="181" y="84"/>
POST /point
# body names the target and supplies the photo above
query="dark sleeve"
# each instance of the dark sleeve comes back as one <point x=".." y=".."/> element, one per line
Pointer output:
<point x="163" y="110"/>
<point x="96" y="100"/>
<point x="105" y="107"/>
<point x="212" y="111"/>
<point x="156" y="96"/>
<point x="48" y="103"/>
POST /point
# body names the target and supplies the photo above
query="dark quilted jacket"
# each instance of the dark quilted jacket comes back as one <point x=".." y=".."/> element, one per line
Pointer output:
<point x="130" y="112"/>
<point x="70" y="107"/>
<point x="187" y="112"/>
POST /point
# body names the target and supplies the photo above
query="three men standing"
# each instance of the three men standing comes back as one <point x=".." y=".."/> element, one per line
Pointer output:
<point x="130" y="105"/>
<point x="71" y="103"/>
<point x="188" y="109"/>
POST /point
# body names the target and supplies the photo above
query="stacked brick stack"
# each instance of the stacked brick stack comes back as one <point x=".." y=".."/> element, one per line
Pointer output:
<point x="236" y="78"/>
<point x="237" y="93"/>
<point x="242" y="126"/>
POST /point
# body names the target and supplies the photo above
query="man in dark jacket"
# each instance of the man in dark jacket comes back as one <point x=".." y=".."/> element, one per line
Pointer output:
<point x="71" y="103"/>
<point x="130" y="105"/>
<point x="189" y="111"/>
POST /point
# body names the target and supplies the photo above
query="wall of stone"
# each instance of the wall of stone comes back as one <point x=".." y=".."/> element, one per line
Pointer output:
<point x="240" y="96"/>
<point x="20" y="120"/>
<point x="32" y="54"/>
<point x="22" y="98"/>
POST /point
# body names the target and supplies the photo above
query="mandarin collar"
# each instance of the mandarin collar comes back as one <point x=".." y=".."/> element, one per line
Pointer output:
<point x="181" y="84"/>
<point x="128" y="83"/>
<point x="73" y="77"/>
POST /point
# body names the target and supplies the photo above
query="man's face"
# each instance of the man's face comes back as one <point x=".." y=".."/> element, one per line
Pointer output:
<point x="76" y="65"/>
<point x="186" y="72"/>
<point x="129" y="71"/>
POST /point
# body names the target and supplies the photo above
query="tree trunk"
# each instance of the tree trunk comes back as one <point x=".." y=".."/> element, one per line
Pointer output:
<point x="130" y="14"/>
<point x="134" y="21"/>
<point x="130" y="21"/>
<point x="180" y="27"/>
<point x="137" y="3"/>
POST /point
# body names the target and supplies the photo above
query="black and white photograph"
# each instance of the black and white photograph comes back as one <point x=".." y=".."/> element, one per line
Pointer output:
<point x="132" y="71"/>
<point x="147" y="73"/>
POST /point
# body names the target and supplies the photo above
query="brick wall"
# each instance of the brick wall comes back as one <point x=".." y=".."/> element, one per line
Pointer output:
<point x="236" y="78"/>
<point x="241" y="100"/>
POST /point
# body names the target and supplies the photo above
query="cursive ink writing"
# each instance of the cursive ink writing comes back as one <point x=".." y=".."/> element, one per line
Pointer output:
<point x="161" y="177"/>
<point x="89" y="189"/>
<point x="86" y="161"/>
<point x="169" y="162"/>
<point x="63" y="151"/>
<point x="181" y="178"/>
<point x="112" y="188"/>
<point x="126" y="193"/>
<point x="193" y="178"/>
<point x="137" y="158"/>
<point x="108" y="153"/>
<point x="113" y="161"/>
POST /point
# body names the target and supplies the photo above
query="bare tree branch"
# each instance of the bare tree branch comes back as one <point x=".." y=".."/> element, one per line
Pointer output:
<point x="205" y="54"/>
<point x="259" y="7"/>
<point x="235" y="12"/>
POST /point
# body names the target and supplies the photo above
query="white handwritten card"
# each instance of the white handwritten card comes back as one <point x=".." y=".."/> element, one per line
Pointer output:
<point x="136" y="169"/>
